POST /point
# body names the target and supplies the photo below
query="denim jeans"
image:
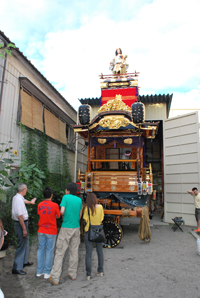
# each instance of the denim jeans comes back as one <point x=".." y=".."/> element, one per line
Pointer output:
<point x="45" y="262"/>
<point x="88" y="256"/>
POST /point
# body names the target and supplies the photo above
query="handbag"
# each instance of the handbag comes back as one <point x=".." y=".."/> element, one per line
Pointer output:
<point x="95" y="232"/>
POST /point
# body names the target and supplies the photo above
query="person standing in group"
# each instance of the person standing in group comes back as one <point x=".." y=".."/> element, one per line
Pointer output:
<point x="20" y="216"/>
<point x="47" y="232"/>
<point x="96" y="218"/>
<point x="196" y="196"/>
<point x="69" y="235"/>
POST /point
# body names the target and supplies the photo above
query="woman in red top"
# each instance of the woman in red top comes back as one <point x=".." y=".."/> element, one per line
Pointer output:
<point x="48" y="212"/>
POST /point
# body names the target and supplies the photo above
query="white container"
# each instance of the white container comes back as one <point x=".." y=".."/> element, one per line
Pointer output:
<point x="198" y="246"/>
<point x="144" y="188"/>
<point x="149" y="188"/>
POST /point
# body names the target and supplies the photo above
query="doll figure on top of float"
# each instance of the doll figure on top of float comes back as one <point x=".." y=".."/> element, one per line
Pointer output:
<point x="118" y="65"/>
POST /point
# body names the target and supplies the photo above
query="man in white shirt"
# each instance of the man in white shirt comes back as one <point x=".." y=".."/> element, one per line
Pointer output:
<point x="196" y="196"/>
<point x="20" y="216"/>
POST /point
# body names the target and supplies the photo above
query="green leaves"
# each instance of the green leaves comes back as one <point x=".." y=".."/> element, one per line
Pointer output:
<point x="8" y="49"/>
<point x="11" y="45"/>
<point x="5" y="165"/>
<point x="36" y="184"/>
<point x="8" y="160"/>
<point x="2" y="166"/>
<point x="2" y="196"/>
<point x="33" y="177"/>
<point x="7" y="182"/>
<point x="2" y="56"/>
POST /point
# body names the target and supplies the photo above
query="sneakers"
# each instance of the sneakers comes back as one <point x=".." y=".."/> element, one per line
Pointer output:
<point x="39" y="274"/>
<point x="72" y="278"/>
<point x="197" y="230"/>
<point x="53" y="282"/>
<point x="88" y="277"/>
<point x="99" y="274"/>
<point x="46" y="276"/>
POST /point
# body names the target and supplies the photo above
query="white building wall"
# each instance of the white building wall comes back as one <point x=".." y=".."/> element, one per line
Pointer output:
<point x="179" y="112"/>
<point x="181" y="166"/>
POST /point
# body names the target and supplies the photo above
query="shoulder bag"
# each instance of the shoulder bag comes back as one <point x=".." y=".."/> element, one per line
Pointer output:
<point x="95" y="232"/>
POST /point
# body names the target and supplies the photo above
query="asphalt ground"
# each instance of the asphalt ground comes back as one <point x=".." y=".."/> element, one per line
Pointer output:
<point x="167" y="266"/>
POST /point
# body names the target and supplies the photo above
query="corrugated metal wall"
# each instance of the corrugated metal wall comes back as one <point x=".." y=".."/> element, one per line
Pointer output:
<point x="9" y="131"/>
<point x="181" y="166"/>
<point x="94" y="111"/>
<point x="155" y="111"/>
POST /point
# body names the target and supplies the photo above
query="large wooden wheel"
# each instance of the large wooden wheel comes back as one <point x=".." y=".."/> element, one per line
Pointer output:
<point x="113" y="233"/>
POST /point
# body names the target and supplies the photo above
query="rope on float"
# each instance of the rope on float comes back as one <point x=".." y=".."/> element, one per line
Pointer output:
<point x="126" y="212"/>
<point x="144" y="232"/>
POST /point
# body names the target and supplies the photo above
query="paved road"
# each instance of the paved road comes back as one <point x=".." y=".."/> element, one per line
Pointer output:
<point x="167" y="267"/>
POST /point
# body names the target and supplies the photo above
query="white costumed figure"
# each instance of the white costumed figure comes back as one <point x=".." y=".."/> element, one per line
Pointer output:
<point x="118" y="65"/>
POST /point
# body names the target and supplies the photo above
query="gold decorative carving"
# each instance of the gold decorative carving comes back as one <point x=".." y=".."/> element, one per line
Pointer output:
<point x="102" y="141"/>
<point x="128" y="141"/>
<point x="114" y="122"/>
<point x="113" y="182"/>
<point x="131" y="183"/>
<point x="131" y="188"/>
<point x="95" y="187"/>
<point x="113" y="187"/>
<point x="115" y="105"/>
<point x="133" y="83"/>
<point x="118" y="84"/>
<point x="103" y="85"/>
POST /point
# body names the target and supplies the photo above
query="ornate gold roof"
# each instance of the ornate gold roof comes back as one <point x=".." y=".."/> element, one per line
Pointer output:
<point x="115" y="105"/>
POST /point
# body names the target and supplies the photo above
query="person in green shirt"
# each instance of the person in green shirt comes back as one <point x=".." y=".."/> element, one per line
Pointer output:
<point x="69" y="235"/>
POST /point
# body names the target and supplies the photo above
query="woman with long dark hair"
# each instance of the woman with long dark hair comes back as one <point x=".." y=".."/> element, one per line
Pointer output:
<point x="96" y="218"/>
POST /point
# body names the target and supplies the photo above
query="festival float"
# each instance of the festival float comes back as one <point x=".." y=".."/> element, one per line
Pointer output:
<point x="116" y="169"/>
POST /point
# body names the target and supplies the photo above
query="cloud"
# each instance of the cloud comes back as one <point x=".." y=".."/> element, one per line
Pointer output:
<point x="158" y="42"/>
<point x="73" y="42"/>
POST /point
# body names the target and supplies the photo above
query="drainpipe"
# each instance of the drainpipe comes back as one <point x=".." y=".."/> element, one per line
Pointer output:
<point x="76" y="152"/>
<point x="2" y="81"/>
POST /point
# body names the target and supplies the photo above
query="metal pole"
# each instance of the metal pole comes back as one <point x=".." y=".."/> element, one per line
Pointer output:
<point x="139" y="157"/>
<point x="76" y="153"/>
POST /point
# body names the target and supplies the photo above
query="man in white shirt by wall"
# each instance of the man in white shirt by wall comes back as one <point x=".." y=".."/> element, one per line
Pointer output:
<point x="20" y="216"/>
<point x="196" y="196"/>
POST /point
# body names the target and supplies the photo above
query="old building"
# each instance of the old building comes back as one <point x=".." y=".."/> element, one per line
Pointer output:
<point x="28" y="99"/>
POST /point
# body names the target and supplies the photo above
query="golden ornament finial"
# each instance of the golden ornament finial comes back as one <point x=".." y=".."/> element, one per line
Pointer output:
<point x="118" y="96"/>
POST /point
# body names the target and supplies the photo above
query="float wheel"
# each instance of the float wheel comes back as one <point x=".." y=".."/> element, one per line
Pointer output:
<point x="113" y="233"/>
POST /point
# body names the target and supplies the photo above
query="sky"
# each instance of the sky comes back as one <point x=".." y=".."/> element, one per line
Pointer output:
<point x="72" y="42"/>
